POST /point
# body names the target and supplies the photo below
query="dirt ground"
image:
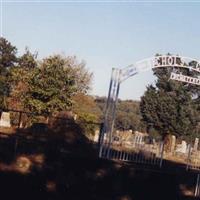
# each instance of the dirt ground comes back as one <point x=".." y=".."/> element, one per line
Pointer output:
<point x="83" y="178"/>
<point x="67" y="167"/>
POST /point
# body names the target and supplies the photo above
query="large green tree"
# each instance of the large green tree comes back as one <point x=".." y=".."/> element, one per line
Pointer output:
<point x="51" y="87"/>
<point x="8" y="59"/>
<point x="7" y="54"/>
<point x="19" y="78"/>
<point x="87" y="111"/>
<point x="82" y="76"/>
<point x="171" y="107"/>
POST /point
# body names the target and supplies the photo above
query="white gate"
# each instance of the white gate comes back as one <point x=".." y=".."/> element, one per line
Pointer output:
<point x="141" y="153"/>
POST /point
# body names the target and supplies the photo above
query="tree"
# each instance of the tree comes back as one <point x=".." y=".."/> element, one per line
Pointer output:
<point x="169" y="107"/>
<point x="8" y="59"/>
<point x="7" y="54"/>
<point x="86" y="105"/>
<point x="51" y="87"/>
<point x="27" y="60"/>
<point x="19" y="77"/>
<point x="87" y="111"/>
<point x="82" y="76"/>
<point x="128" y="116"/>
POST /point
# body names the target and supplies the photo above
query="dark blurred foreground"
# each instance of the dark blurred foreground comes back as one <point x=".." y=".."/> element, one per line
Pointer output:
<point x="64" y="164"/>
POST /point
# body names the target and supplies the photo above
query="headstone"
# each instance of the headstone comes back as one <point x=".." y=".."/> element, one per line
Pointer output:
<point x="5" y="119"/>
<point x="196" y="143"/>
<point x="154" y="141"/>
<point x="173" y="143"/>
<point x="130" y="131"/>
<point x="183" y="148"/>
<point x="96" y="136"/>
<point x="75" y="117"/>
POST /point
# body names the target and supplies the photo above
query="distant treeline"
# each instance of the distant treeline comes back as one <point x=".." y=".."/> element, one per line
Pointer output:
<point x="128" y="116"/>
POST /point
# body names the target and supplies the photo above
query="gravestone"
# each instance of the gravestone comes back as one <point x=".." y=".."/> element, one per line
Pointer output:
<point x="196" y="143"/>
<point x="182" y="148"/>
<point x="5" y="119"/>
<point x="75" y="117"/>
<point x="154" y="141"/>
<point x="96" y="136"/>
<point x="173" y="143"/>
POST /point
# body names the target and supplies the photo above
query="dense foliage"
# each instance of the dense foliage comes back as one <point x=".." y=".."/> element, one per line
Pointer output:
<point x="44" y="86"/>
<point x="50" y="87"/>
<point x="171" y="107"/>
<point x="128" y="116"/>
<point x="8" y="59"/>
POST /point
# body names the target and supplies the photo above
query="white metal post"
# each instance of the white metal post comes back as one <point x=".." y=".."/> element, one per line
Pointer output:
<point x="161" y="153"/>
<point x="196" y="193"/>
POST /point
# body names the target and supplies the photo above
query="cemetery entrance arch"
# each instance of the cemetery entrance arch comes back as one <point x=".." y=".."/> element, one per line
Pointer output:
<point x="118" y="76"/>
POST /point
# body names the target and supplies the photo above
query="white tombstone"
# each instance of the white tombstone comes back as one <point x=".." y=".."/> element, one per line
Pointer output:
<point x="5" y="119"/>
<point x="196" y="143"/>
<point x="75" y="117"/>
<point x="173" y="144"/>
<point x="154" y="141"/>
<point x="96" y="136"/>
<point x="183" y="148"/>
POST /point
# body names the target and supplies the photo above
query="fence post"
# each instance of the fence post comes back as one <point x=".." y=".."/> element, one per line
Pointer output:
<point x="16" y="146"/>
<point x="161" y="153"/>
<point x="196" y="193"/>
<point x="100" y="151"/>
<point x="188" y="158"/>
<point x="20" y="118"/>
<point x="108" y="152"/>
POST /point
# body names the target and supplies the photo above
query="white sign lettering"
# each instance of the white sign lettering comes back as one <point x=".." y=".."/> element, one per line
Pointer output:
<point x="183" y="78"/>
<point x="175" y="61"/>
<point x="163" y="61"/>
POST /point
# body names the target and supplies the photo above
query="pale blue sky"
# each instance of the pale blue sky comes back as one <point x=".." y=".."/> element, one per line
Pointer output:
<point x="105" y="35"/>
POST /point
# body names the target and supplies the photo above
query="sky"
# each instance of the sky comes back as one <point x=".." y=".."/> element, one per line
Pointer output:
<point x="105" y="34"/>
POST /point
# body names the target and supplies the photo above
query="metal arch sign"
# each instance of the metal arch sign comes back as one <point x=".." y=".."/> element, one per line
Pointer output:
<point x="159" y="62"/>
<point x="120" y="75"/>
